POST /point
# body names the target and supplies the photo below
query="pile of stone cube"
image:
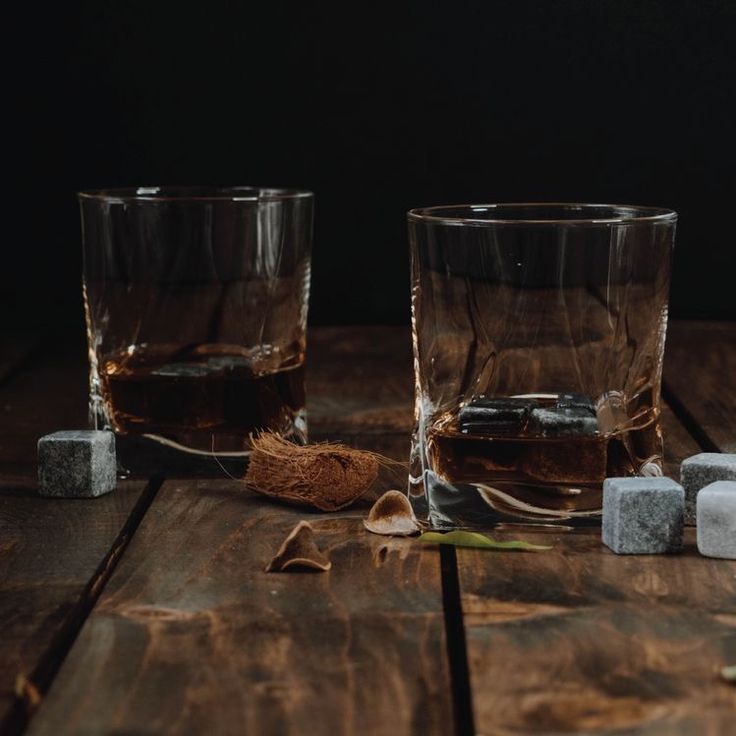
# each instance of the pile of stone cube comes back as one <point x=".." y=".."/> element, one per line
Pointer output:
<point x="647" y="515"/>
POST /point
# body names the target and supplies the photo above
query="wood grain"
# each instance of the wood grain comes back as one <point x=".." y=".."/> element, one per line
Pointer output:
<point x="192" y="636"/>
<point x="50" y="550"/>
<point x="359" y="380"/>
<point x="15" y="350"/>
<point x="678" y="442"/>
<point x="578" y="640"/>
<point x="700" y="375"/>
<point x="360" y="383"/>
<point x="50" y="394"/>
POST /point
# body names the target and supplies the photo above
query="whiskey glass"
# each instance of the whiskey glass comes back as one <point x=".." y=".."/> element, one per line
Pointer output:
<point x="196" y="305"/>
<point x="538" y="334"/>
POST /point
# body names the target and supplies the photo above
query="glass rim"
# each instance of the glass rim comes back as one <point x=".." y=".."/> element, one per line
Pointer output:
<point x="195" y="194"/>
<point x="622" y="214"/>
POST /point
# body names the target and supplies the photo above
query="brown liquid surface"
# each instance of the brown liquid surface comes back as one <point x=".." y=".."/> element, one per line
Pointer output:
<point x="202" y="395"/>
<point x="556" y="473"/>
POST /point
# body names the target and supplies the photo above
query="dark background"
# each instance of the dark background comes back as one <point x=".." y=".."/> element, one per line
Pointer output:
<point x="376" y="110"/>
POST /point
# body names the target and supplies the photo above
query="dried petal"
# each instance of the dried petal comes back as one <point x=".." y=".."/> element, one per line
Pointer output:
<point x="299" y="550"/>
<point x="392" y="515"/>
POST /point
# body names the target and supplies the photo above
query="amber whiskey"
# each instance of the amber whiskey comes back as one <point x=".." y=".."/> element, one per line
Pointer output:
<point x="538" y="459"/>
<point x="203" y="398"/>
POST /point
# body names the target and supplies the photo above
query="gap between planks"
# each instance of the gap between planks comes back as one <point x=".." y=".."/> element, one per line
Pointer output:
<point x="30" y="690"/>
<point x="190" y="633"/>
<point x="457" y="651"/>
<point x="688" y="421"/>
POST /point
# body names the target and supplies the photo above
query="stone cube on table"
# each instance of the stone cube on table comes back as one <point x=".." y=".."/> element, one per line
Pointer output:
<point x="700" y="470"/>
<point x="716" y="520"/>
<point x="643" y="515"/>
<point x="76" y="464"/>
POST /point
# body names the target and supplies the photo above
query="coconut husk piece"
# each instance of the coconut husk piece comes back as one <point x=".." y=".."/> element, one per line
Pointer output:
<point x="393" y="516"/>
<point x="299" y="551"/>
<point x="324" y="476"/>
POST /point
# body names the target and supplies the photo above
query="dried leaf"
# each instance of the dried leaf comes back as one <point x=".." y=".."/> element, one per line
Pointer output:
<point x="299" y="550"/>
<point x="729" y="674"/>
<point x="392" y="515"/>
<point x="479" y="541"/>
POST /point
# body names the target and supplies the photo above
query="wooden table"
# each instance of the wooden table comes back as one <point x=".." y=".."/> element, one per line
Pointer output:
<point x="148" y="610"/>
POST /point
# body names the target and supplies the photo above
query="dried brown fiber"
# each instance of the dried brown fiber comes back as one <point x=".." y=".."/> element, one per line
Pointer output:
<point x="324" y="476"/>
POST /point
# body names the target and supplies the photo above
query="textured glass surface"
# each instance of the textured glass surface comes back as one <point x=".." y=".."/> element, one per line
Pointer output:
<point x="196" y="307"/>
<point x="538" y="341"/>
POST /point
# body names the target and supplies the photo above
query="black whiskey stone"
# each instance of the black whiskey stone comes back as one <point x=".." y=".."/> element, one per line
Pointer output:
<point x="486" y="415"/>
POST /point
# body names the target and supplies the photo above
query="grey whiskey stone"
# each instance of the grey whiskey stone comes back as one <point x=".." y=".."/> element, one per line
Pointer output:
<point x="698" y="471"/>
<point x="562" y="422"/>
<point x="76" y="464"/>
<point x="642" y="515"/>
<point x="716" y="520"/>
<point x="487" y="415"/>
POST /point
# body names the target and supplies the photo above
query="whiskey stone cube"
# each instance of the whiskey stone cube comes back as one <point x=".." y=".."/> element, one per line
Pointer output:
<point x="698" y="471"/>
<point x="716" y="520"/>
<point x="76" y="464"/>
<point x="505" y="415"/>
<point x="562" y="422"/>
<point x="642" y="515"/>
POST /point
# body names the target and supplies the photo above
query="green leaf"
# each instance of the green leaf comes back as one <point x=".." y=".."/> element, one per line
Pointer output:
<point x="729" y="673"/>
<point x="480" y="541"/>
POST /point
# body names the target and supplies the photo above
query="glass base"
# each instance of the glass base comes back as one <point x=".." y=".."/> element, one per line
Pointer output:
<point x="542" y="476"/>
<point x="448" y="506"/>
<point x="149" y="455"/>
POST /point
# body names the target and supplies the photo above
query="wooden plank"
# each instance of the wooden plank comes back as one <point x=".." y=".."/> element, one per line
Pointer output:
<point x="196" y="566"/>
<point x="579" y="640"/>
<point x="678" y="442"/>
<point x="48" y="395"/>
<point x="41" y="597"/>
<point x="15" y="350"/>
<point x="51" y="551"/>
<point x="598" y="642"/>
<point x="700" y="378"/>
<point x="359" y="392"/>
<point x="359" y="380"/>
<point x="192" y="636"/>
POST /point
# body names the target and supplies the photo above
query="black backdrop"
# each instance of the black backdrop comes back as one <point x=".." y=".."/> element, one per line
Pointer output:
<point x="627" y="101"/>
